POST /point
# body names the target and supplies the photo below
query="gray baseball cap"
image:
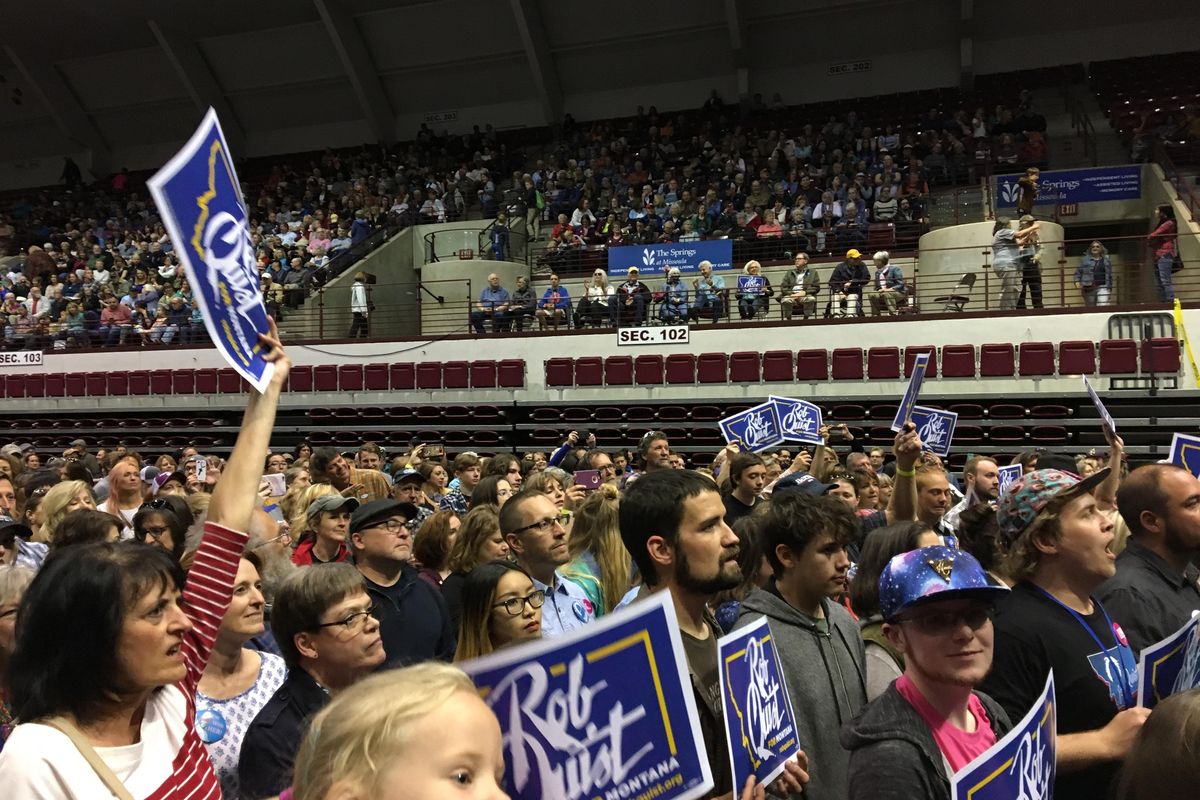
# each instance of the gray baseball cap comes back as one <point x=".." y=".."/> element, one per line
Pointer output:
<point x="331" y="502"/>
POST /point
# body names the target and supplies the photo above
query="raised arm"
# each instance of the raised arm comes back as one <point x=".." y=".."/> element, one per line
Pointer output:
<point x="907" y="448"/>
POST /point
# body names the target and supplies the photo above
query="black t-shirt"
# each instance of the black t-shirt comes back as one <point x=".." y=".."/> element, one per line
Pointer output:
<point x="1035" y="634"/>
<point x="735" y="509"/>
<point x="702" y="656"/>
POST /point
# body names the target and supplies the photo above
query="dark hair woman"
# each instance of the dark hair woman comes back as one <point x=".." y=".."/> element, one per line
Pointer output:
<point x="500" y="607"/>
<point x="493" y="490"/>
<point x="163" y="523"/>
<point x="109" y="650"/>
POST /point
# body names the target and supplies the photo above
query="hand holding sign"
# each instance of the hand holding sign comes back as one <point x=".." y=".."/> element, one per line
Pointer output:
<point x="1110" y="426"/>
<point x="904" y="411"/>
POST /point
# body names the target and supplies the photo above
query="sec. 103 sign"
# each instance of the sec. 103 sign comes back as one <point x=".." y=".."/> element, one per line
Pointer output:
<point x="669" y="334"/>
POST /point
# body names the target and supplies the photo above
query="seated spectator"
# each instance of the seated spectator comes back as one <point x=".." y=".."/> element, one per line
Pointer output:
<point x="753" y="294"/>
<point x="522" y="303"/>
<point x="632" y="298"/>
<point x="494" y="303"/>
<point x="887" y="286"/>
<point x="501" y="607"/>
<point x="322" y="622"/>
<point x="555" y="303"/>
<point x="846" y="284"/>
<point x="828" y="208"/>
<point x="886" y="206"/>
<point x="709" y="294"/>
<point x="799" y="286"/>
<point x="116" y="321"/>
<point x="674" y="307"/>
<point x="598" y="302"/>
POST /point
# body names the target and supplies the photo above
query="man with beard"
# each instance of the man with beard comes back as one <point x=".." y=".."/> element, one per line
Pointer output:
<point x="933" y="496"/>
<point x="981" y="482"/>
<point x="1154" y="591"/>
<point x="531" y="525"/>
<point x="821" y="653"/>
<point x="930" y="723"/>
<point x="672" y="523"/>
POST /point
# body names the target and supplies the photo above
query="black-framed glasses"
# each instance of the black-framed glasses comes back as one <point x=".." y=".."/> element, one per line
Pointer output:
<point x="157" y="505"/>
<point x="391" y="525"/>
<point x="942" y="623"/>
<point x="513" y="606"/>
<point x="352" y="621"/>
<point x="155" y="533"/>
<point x="541" y="526"/>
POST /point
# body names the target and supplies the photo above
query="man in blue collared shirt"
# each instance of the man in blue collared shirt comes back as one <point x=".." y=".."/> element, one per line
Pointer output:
<point x="530" y="524"/>
<point x="493" y="303"/>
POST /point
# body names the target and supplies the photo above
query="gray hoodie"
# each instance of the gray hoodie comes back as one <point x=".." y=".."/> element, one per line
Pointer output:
<point x="826" y="682"/>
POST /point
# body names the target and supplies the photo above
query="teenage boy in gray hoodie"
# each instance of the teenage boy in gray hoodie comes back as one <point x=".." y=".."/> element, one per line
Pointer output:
<point x="820" y="650"/>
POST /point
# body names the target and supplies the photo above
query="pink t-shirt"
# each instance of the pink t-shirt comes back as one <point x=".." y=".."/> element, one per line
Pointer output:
<point x="959" y="747"/>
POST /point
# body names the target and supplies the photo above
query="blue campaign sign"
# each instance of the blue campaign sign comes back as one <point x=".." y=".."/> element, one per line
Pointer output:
<point x="759" y="723"/>
<point x="936" y="428"/>
<point x="799" y="420"/>
<point x="1171" y="666"/>
<point x="1106" y="419"/>
<point x="607" y="711"/>
<point x="1185" y="451"/>
<point x="1008" y="475"/>
<point x="750" y="283"/>
<point x="1075" y="186"/>
<point x="201" y="203"/>
<point x="1019" y="765"/>
<point x="755" y="428"/>
<point x="904" y="412"/>
<point x="651" y="259"/>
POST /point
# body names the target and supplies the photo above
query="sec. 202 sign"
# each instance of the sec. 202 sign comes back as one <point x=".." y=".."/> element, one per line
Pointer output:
<point x="668" y="334"/>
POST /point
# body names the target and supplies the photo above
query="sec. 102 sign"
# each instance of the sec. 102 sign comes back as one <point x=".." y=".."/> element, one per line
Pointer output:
<point x="669" y="334"/>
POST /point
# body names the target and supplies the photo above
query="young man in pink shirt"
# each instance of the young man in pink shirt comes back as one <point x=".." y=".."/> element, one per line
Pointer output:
<point x="930" y="723"/>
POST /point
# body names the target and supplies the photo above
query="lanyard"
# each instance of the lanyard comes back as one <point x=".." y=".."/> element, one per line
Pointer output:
<point x="1126" y="690"/>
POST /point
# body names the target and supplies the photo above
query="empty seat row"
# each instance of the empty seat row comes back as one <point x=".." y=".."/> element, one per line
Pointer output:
<point x="999" y="360"/>
<point x="504" y="374"/>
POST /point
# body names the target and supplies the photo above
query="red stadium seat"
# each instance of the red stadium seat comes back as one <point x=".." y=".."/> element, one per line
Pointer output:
<point x="230" y="382"/>
<point x="1076" y="358"/>
<point x="161" y="381"/>
<point x="483" y="375"/>
<point x="511" y="373"/>
<point x="681" y="368"/>
<point x="648" y="370"/>
<point x="402" y="376"/>
<point x="429" y="375"/>
<point x="1035" y="359"/>
<point x="589" y="371"/>
<point x="910" y="356"/>
<point x="958" y="361"/>
<point x="712" y="368"/>
<point x="118" y="384"/>
<point x="812" y="365"/>
<point x="206" y="381"/>
<point x="183" y="381"/>
<point x="35" y="385"/>
<point x="350" y="377"/>
<point x="455" y="375"/>
<point x="56" y="384"/>
<point x="1160" y="356"/>
<point x="139" y="382"/>
<point x="778" y="365"/>
<point x="375" y="377"/>
<point x="996" y="360"/>
<point x="1118" y="356"/>
<point x="883" y="363"/>
<point x="560" y="372"/>
<point x="618" y="370"/>
<point x="847" y="364"/>
<point x="745" y="367"/>
<point x="325" y="378"/>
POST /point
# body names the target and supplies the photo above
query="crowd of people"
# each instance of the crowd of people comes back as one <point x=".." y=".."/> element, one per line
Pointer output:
<point x="282" y="623"/>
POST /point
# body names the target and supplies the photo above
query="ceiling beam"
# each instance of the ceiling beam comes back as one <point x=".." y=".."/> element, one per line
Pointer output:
<point x="735" y="20"/>
<point x="352" y="50"/>
<point x="541" y="59"/>
<point x="64" y="107"/>
<point x="197" y="77"/>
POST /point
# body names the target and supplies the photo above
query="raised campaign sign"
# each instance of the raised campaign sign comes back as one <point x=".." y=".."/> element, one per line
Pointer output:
<point x="905" y="409"/>
<point x="656" y="259"/>
<point x="935" y="427"/>
<point x="1009" y="474"/>
<point x="607" y="711"/>
<point x="1021" y="765"/>
<point x="799" y="420"/>
<point x="754" y="429"/>
<point x="760" y="726"/>
<point x="1185" y="451"/>
<point x="201" y="203"/>
<point x="1171" y="666"/>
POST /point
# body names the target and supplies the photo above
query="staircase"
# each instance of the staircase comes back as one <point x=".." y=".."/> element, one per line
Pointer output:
<point x="1066" y="145"/>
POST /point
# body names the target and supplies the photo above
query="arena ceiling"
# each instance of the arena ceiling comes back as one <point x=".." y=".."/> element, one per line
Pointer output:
<point x="127" y="80"/>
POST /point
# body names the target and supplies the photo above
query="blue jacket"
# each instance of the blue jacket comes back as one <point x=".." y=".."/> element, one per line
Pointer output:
<point x="563" y="300"/>
<point x="1094" y="272"/>
<point x="893" y="278"/>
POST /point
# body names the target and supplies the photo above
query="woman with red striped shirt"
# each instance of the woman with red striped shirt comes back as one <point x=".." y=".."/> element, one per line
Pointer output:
<point x="109" y="650"/>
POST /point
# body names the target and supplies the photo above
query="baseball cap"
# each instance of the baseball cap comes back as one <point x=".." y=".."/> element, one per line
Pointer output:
<point x="331" y="502"/>
<point x="163" y="478"/>
<point x="1062" y="463"/>
<point x="10" y="450"/>
<point x="632" y="269"/>
<point x="932" y="573"/>
<point x="10" y="528"/>
<point x="802" y="481"/>
<point x="149" y="474"/>
<point x="406" y="475"/>
<point x="377" y="511"/>
<point x="852" y="253"/>
<point x="1027" y="496"/>
<point x="1026" y="218"/>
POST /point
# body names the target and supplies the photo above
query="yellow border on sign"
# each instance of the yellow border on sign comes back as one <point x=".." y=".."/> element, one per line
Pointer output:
<point x="754" y="762"/>
<point x="971" y="792"/>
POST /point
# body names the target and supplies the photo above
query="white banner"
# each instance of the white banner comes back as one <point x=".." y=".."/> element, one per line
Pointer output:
<point x="22" y="358"/>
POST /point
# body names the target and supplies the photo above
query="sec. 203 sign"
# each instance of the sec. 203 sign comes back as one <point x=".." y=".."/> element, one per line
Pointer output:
<point x="668" y="334"/>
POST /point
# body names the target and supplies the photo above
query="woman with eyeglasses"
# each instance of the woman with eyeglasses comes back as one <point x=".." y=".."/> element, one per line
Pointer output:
<point x="500" y="607"/>
<point x="237" y="682"/>
<point x="478" y="541"/>
<point x="111" y="643"/>
<point x="163" y="523"/>
<point x="62" y="499"/>
<point x="492" y="490"/>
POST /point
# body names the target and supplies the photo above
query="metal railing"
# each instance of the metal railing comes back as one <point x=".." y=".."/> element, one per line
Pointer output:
<point x="1181" y="162"/>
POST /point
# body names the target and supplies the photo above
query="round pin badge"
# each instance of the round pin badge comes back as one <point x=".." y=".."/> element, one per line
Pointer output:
<point x="582" y="609"/>
<point x="210" y="725"/>
<point x="1120" y="634"/>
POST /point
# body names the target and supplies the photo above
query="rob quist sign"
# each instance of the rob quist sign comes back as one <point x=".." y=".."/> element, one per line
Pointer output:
<point x="606" y="712"/>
